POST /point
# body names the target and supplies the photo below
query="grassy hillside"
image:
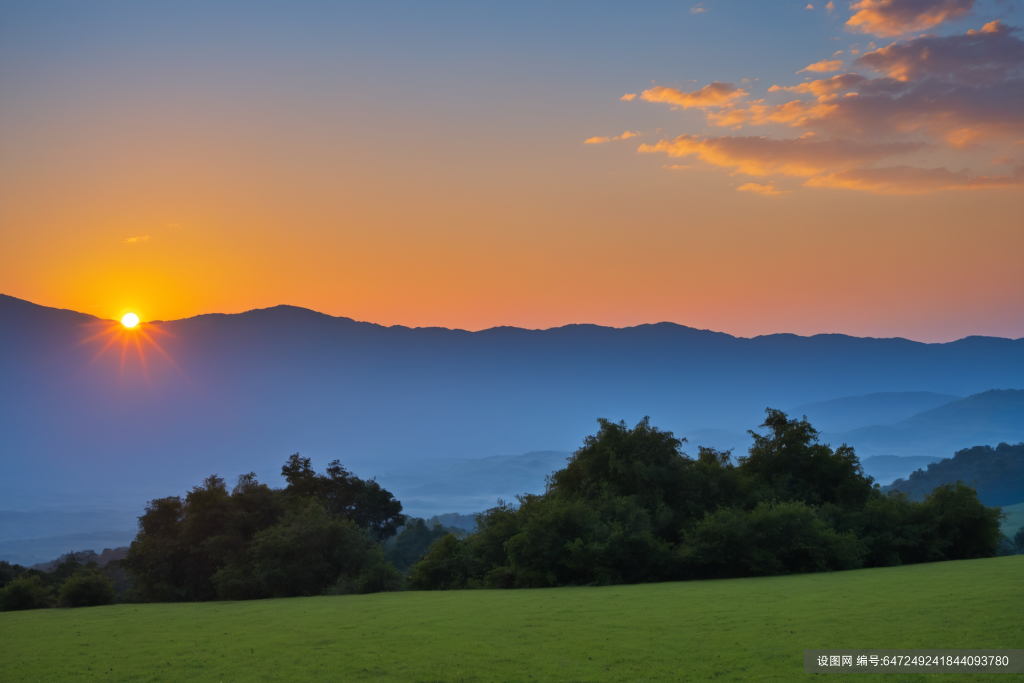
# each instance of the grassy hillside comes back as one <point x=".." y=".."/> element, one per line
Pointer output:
<point x="750" y="629"/>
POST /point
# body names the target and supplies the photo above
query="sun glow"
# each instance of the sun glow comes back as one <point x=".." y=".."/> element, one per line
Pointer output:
<point x="129" y="333"/>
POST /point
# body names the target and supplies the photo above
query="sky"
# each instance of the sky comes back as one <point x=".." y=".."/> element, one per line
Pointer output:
<point x="747" y="167"/>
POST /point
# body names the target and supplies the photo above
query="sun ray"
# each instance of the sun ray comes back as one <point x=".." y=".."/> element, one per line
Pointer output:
<point x="142" y="337"/>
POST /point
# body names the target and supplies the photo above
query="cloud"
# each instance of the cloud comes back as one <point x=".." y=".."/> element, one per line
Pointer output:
<point x="761" y="156"/>
<point x="809" y="6"/>
<point x="928" y="92"/>
<point x="959" y="89"/>
<point x="678" y="167"/>
<point x="830" y="6"/>
<point x="137" y="240"/>
<point x="990" y="54"/>
<point x="823" y="66"/>
<point x="827" y="86"/>
<point x="758" y="188"/>
<point x="715" y="94"/>
<point x="628" y="97"/>
<point x="598" y="140"/>
<point x="890" y="18"/>
<point x="911" y="180"/>
<point x="697" y="9"/>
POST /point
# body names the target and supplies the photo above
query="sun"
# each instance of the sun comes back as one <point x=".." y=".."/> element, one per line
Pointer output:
<point x="129" y="320"/>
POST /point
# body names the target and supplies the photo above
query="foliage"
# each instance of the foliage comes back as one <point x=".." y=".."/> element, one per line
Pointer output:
<point x="86" y="589"/>
<point x="414" y="540"/>
<point x="254" y="541"/>
<point x="9" y="572"/>
<point x="739" y="630"/>
<point x="25" y="592"/>
<point x="631" y="507"/>
<point x="996" y="473"/>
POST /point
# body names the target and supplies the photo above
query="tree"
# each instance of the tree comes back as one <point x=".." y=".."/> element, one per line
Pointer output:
<point x="25" y="592"/>
<point x="307" y="552"/>
<point x="86" y="589"/>
<point x="788" y="463"/>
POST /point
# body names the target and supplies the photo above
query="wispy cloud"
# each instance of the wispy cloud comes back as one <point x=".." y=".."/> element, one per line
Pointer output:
<point x="715" y="94"/>
<point x="761" y="156"/>
<point x="911" y="180"/>
<point x="758" y="188"/>
<point x="628" y="97"/>
<point x="598" y="140"/>
<point x="697" y="9"/>
<point x="137" y="240"/>
<point x="824" y="66"/>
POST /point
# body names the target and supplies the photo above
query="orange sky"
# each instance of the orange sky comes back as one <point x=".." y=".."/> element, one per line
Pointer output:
<point x="428" y="198"/>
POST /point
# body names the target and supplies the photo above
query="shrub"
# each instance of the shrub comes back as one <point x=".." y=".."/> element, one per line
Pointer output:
<point x="26" y="592"/>
<point x="381" y="577"/>
<point x="773" y="538"/>
<point x="87" y="589"/>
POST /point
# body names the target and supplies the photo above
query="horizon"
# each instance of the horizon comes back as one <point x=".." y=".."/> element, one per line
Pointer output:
<point x="529" y="329"/>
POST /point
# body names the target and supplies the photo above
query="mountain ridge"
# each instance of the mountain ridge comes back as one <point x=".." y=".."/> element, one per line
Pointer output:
<point x="231" y="393"/>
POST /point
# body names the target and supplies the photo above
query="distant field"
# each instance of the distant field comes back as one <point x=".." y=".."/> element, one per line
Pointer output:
<point x="742" y="629"/>
<point x="1014" y="519"/>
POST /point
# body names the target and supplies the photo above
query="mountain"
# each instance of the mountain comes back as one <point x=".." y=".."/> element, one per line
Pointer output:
<point x="887" y="468"/>
<point x="851" y="412"/>
<point x="91" y="414"/>
<point x="988" y="418"/>
<point x="997" y="474"/>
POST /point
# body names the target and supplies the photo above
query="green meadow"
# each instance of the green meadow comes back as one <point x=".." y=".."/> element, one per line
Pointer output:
<point x="738" y="629"/>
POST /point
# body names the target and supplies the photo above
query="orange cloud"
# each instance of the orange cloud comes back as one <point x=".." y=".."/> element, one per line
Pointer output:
<point x="758" y="188"/>
<point x="888" y="18"/>
<point x="827" y="86"/>
<point x="824" y="66"/>
<point x="760" y="156"/>
<point x="992" y="53"/>
<point x="137" y="240"/>
<point x="715" y="94"/>
<point x="796" y="113"/>
<point x="602" y="139"/>
<point x="911" y="180"/>
<point x="628" y="97"/>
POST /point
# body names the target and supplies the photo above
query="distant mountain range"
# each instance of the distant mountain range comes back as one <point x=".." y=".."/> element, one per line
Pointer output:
<point x="851" y="412"/>
<point x="988" y="418"/>
<point x="84" y="424"/>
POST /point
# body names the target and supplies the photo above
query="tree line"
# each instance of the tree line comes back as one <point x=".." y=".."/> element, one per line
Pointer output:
<point x="629" y="507"/>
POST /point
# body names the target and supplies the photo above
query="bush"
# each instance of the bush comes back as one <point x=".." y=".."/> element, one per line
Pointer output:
<point x="87" y="589"/>
<point x="444" y="567"/>
<point x="773" y="538"/>
<point x="26" y="592"/>
<point x="381" y="577"/>
<point x="307" y="552"/>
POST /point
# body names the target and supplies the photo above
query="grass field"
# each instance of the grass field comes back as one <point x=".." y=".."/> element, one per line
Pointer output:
<point x="742" y="629"/>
